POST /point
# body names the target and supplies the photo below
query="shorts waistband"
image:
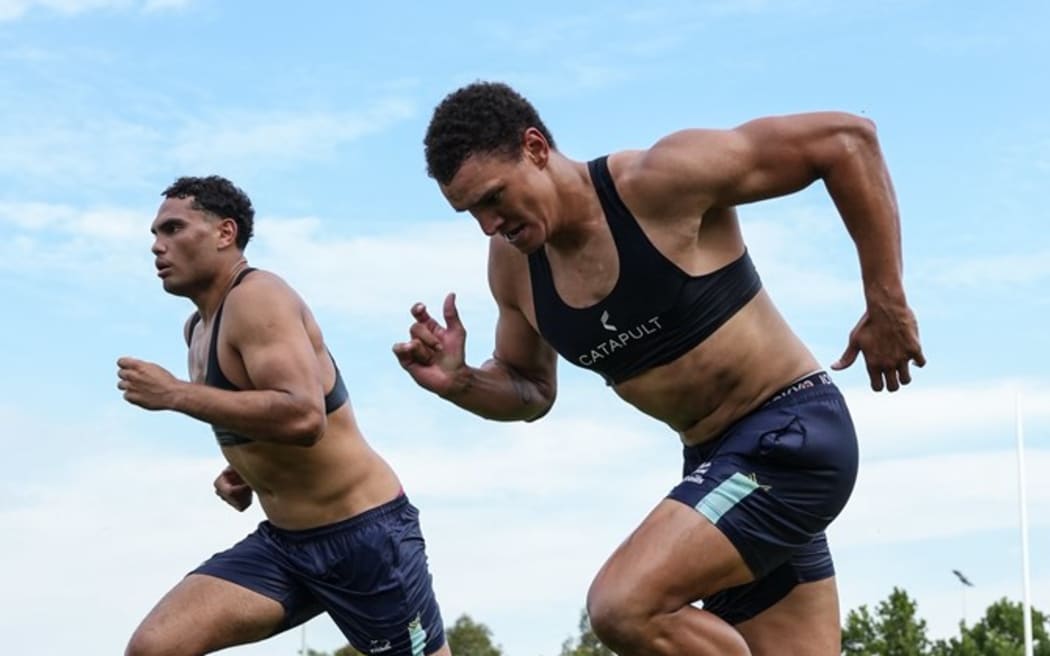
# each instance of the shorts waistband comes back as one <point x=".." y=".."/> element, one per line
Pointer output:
<point x="815" y="380"/>
<point x="349" y="523"/>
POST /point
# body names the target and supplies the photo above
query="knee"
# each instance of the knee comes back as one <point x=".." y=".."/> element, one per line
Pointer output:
<point x="620" y="620"/>
<point x="148" y="642"/>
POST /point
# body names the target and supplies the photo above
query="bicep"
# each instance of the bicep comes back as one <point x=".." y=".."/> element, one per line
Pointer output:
<point x="763" y="158"/>
<point x="521" y="348"/>
<point x="518" y="345"/>
<point x="271" y="337"/>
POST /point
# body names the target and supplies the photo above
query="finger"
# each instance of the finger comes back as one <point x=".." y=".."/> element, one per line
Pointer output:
<point x="451" y="313"/>
<point x="124" y="374"/>
<point x="920" y="359"/>
<point x="122" y="385"/>
<point x="413" y="353"/>
<point x="904" y="373"/>
<point x="424" y="334"/>
<point x="847" y="358"/>
<point x="125" y="362"/>
<point x="875" y="376"/>
<point x="419" y="312"/>
<point x="892" y="384"/>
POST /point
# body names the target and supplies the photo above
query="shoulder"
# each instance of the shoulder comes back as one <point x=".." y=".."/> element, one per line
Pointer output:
<point x="677" y="174"/>
<point x="262" y="297"/>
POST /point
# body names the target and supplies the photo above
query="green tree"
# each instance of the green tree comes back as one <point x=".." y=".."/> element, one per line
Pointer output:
<point x="469" y="638"/>
<point x="999" y="633"/>
<point x="586" y="644"/>
<point x="894" y="630"/>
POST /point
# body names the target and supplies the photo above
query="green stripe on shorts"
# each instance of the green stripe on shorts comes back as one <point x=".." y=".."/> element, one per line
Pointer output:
<point x="721" y="500"/>
<point x="418" y="635"/>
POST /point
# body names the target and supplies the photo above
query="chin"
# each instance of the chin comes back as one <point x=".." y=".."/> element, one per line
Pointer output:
<point x="173" y="288"/>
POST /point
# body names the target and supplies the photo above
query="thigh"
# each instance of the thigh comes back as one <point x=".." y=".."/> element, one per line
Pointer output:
<point x="203" y="614"/>
<point x="804" y="623"/>
<point x="246" y="593"/>
<point x="675" y="557"/>
<point x="373" y="580"/>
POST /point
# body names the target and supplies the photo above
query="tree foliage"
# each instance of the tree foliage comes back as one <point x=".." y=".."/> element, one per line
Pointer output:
<point x="999" y="633"/>
<point x="469" y="638"/>
<point x="586" y="644"/>
<point x="895" y="629"/>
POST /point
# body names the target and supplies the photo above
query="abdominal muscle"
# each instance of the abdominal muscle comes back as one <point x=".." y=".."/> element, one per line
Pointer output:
<point x="305" y="487"/>
<point x="746" y="361"/>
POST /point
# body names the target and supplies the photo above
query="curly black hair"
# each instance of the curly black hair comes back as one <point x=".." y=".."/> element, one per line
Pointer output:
<point x="219" y="196"/>
<point x="483" y="117"/>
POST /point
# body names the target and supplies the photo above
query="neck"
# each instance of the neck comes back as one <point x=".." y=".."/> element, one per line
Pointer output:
<point x="209" y="300"/>
<point x="578" y="213"/>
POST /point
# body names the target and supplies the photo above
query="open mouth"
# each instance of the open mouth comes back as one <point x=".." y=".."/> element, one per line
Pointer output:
<point x="511" y="235"/>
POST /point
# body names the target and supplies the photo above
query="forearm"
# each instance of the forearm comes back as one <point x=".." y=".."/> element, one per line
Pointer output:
<point x="859" y="184"/>
<point x="263" y="415"/>
<point x="496" y="391"/>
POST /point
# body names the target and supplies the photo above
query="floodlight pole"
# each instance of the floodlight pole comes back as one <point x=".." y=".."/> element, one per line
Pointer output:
<point x="1023" y="501"/>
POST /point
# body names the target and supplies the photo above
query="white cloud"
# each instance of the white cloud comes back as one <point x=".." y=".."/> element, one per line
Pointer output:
<point x="15" y="9"/>
<point x="944" y="495"/>
<point x="377" y="276"/>
<point x="1021" y="268"/>
<point x="536" y="507"/>
<point x="117" y="150"/>
<point x="285" y="136"/>
<point x="919" y="419"/>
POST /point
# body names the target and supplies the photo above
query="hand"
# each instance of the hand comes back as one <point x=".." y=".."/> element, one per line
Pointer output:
<point x="434" y="354"/>
<point x="232" y="489"/>
<point x="147" y="385"/>
<point x="888" y="336"/>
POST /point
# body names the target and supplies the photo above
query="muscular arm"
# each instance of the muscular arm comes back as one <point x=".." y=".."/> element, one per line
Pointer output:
<point x="776" y="156"/>
<point x="262" y="322"/>
<point x="692" y="171"/>
<point x="517" y="384"/>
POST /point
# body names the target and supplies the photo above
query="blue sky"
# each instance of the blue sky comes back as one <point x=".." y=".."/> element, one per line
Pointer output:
<point x="318" y="111"/>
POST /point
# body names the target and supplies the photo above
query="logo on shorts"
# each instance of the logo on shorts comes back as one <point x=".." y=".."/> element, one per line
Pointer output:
<point x="605" y="322"/>
<point x="753" y="477"/>
<point x="379" y="646"/>
<point x="698" y="474"/>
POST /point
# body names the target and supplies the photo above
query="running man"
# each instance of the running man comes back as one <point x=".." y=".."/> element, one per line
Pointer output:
<point x="340" y="535"/>
<point x="633" y="265"/>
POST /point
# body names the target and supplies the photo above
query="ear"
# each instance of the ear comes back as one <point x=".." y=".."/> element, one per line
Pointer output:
<point x="228" y="230"/>
<point x="535" y="146"/>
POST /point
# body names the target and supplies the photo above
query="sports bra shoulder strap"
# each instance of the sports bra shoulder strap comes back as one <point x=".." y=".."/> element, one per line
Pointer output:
<point x="195" y="319"/>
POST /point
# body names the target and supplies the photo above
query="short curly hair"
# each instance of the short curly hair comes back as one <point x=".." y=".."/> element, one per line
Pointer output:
<point x="219" y="196"/>
<point x="483" y="117"/>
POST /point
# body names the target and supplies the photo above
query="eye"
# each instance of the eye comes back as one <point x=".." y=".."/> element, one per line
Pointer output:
<point x="493" y="198"/>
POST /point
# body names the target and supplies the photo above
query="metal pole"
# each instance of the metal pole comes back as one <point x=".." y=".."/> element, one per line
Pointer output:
<point x="1027" y="603"/>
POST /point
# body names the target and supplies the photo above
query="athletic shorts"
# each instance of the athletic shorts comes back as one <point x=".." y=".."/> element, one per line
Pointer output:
<point x="772" y="483"/>
<point x="368" y="572"/>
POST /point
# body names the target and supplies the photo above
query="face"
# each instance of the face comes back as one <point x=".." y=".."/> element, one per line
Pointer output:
<point x="189" y="245"/>
<point x="507" y="197"/>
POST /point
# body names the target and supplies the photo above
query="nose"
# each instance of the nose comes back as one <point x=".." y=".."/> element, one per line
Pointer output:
<point x="157" y="248"/>
<point x="490" y="222"/>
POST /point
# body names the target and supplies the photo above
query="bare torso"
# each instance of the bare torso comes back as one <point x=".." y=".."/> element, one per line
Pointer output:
<point x="749" y="358"/>
<point x="302" y="487"/>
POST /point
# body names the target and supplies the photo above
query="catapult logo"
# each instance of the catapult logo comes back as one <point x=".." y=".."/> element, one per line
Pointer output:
<point x="611" y="344"/>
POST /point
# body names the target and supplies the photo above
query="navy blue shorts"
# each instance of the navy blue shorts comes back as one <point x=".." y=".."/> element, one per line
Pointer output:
<point x="772" y="483"/>
<point x="368" y="572"/>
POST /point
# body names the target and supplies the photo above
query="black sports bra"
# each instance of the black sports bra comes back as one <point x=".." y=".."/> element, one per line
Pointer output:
<point x="654" y="314"/>
<point x="214" y="377"/>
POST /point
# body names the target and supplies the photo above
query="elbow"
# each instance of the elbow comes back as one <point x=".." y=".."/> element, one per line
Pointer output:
<point x="308" y="427"/>
<point x="857" y="133"/>
<point x="543" y="407"/>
